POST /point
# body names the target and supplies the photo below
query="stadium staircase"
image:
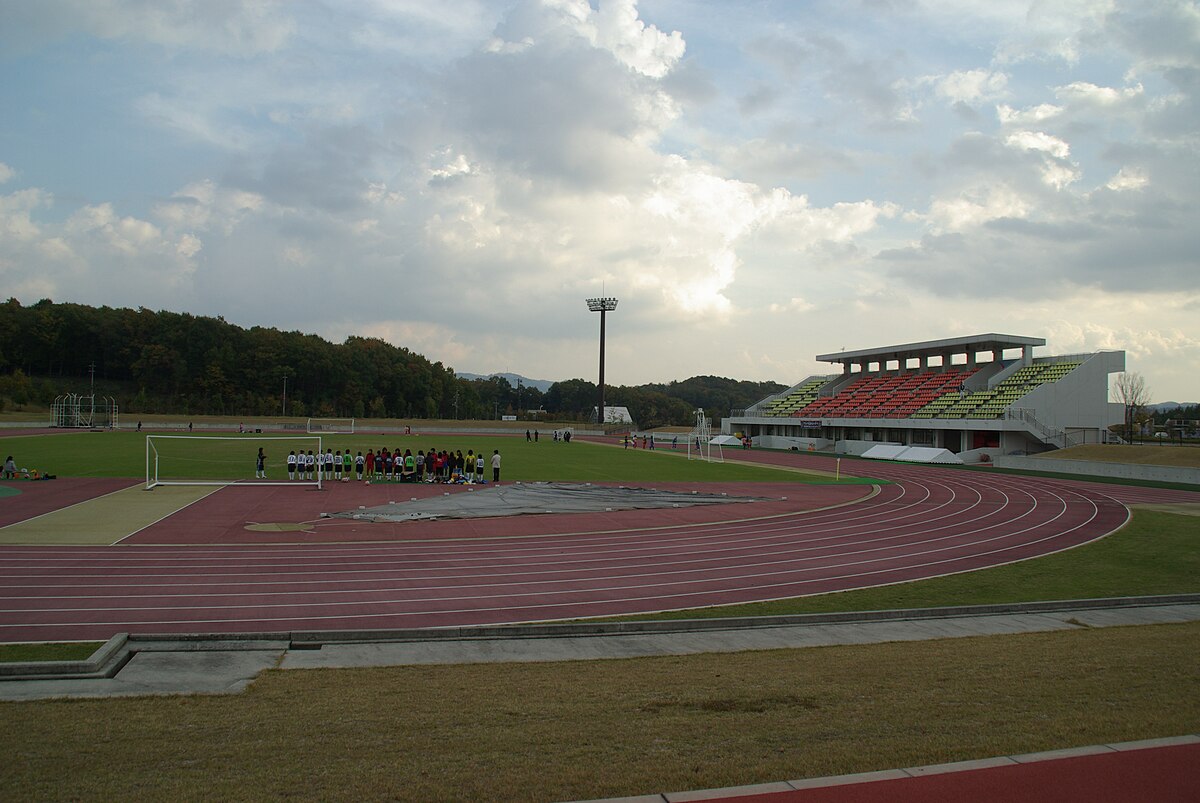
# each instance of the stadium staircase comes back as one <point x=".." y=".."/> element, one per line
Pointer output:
<point x="799" y="397"/>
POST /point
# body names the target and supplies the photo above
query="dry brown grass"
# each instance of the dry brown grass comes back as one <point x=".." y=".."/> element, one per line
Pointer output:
<point x="1185" y="456"/>
<point x="606" y="728"/>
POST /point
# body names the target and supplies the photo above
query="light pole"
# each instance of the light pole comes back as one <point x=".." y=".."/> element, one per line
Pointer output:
<point x="601" y="305"/>
<point x="285" y="371"/>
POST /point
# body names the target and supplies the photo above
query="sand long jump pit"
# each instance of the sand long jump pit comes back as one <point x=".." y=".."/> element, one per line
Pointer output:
<point x="106" y="519"/>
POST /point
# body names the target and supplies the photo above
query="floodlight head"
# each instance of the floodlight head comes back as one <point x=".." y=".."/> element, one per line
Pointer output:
<point x="602" y="304"/>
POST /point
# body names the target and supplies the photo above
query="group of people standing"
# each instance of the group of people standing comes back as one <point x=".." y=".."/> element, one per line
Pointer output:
<point x="533" y="437"/>
<point x="647" y="441"/>
<point x="387" y="465"/>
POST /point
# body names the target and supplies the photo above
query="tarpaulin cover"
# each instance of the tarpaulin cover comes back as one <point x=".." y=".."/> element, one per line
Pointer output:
<point x="536" y="497"/>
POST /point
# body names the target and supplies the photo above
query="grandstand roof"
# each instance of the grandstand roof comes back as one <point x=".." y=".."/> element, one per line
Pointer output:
<point x="952" y="345"/>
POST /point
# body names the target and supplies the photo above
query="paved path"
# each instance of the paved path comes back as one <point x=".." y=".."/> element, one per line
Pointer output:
<point x="214" y="665"/>
<point x="1160" y="770"/>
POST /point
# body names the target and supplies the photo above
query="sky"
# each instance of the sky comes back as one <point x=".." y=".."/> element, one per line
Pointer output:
<point x="757" y="182"/>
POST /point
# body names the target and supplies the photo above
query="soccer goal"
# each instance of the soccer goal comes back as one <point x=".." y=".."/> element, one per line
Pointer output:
<point x="334" y="426"/>
<point x="700" y="441"/>
<point x="211" y="460"/>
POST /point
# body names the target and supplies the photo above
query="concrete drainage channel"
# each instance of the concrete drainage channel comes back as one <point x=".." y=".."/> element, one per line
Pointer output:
<point x="560" y="641"/>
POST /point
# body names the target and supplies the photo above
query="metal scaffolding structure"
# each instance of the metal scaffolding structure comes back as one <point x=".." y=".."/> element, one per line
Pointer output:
<point x="77" y="411"/>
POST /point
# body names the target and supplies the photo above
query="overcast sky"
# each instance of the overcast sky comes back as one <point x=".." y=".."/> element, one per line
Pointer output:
<point x="757" y="182"/>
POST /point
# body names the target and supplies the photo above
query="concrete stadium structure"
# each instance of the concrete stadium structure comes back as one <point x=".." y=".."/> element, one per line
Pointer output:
<point x="975" y="397"/>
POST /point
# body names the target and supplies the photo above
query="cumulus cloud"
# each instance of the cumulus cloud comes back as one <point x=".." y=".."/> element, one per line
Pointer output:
<point x="1038" y="141"/>
<point x="457" y="177"/>
<point x="972" y="87"/>
<point x="1128" y="178"/>
<point x="1025" y="117"/>
<point x="640" y="47"/>
<point x="1057" y="171"/>
<point x="976" y="206"/>
<point x="95" y="252"/>
<point x="16" y="215"/>
<point x="204" y="204"/>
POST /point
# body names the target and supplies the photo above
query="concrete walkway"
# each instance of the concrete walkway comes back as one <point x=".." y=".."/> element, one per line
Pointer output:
<point x="227" y="664"/>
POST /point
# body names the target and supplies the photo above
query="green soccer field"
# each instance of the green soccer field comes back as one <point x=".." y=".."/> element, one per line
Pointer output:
<point x="123" y="454"/>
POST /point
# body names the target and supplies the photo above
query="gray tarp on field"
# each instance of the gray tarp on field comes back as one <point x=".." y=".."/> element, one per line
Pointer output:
<point x="534" y="497"/>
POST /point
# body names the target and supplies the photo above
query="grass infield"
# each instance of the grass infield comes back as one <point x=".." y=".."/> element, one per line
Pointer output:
<point x="123" y="454"/>
<point x="593" y="729"/>
<point x="65" y="651"/>
<point x="607" y="728"/>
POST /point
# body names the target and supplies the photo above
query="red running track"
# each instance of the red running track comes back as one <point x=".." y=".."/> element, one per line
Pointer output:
<point x="1161" y="774"/>
<point x="928" y="522"/>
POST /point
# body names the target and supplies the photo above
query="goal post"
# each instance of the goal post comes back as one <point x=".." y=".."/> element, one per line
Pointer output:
<point x="334" y="426"/>
<point x="700" y="441"/>
<point x="215" y="460"/>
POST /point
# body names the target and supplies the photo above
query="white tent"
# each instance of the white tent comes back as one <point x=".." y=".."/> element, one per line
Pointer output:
<point x="912" y="454"/>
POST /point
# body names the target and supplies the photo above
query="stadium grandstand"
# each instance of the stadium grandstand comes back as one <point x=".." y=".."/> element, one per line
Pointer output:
<point x="972" y="398"/>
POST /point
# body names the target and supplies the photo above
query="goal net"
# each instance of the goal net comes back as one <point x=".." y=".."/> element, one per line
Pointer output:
<point x="211" y="460"/>
<point x="700" y="441"/>
<point x="334" y="426"/>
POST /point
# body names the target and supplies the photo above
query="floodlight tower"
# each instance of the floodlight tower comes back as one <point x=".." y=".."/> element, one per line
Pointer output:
<point x="601" y="305"/>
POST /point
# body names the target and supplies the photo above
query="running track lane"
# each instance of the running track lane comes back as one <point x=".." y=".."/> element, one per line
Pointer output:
<point x="1160" y="774"/>
<point x="929" y="522"/>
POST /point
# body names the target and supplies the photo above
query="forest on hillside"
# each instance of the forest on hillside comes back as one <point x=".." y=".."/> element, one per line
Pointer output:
<point x="169" y="362"/>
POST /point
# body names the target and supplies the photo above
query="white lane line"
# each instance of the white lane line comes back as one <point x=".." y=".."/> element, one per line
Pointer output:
<point x="889" y="570"/>
<point x="503" y="593"/>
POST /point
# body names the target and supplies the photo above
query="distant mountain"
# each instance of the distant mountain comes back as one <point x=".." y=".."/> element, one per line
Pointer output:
<point x="541" y="384"/>
<point x="1169" y="405"/>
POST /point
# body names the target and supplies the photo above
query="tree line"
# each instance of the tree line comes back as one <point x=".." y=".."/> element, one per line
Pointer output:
<point x="178" y="363"/>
